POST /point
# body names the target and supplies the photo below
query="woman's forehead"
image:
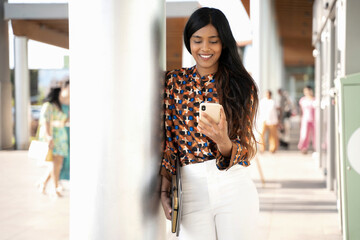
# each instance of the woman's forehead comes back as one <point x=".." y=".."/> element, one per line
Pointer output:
<point x="207" y="31"/>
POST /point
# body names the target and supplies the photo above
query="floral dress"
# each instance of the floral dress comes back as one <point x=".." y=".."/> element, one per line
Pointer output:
<point x="65" y="170"/>
<point x="50" y="113"/>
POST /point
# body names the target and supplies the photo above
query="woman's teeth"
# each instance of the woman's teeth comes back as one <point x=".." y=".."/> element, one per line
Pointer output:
<point x="205" y="56"/>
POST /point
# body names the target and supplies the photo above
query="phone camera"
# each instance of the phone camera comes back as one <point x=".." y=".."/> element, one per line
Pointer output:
<point x="203" y="108"/>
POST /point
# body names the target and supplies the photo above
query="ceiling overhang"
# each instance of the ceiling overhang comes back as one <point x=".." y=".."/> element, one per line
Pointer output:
<point x="294" y="21"/>
<point x="43" y="22"/>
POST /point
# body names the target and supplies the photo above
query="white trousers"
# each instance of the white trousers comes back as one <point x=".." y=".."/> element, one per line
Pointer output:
<point x="221" y="205"/>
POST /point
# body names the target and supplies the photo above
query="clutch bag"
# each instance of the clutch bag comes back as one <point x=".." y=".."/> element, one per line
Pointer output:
<point x="176" y="205"/>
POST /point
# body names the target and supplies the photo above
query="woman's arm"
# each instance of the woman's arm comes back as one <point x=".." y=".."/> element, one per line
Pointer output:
<point x="45" y="119"/>
<point x="169" y="155"/>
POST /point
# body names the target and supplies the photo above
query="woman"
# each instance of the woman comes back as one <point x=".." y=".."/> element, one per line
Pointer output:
<point x="52" y="129"/>
<point x="219" y="198"/>
<point x="307" y="129"/>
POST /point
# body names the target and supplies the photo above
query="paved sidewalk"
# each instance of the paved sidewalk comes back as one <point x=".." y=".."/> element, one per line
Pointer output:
<point x="25" y="214"/>
<point x="294" y="203"/>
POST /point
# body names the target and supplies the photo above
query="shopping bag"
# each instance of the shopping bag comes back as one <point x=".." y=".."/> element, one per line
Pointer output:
<point x="39" y="151"/>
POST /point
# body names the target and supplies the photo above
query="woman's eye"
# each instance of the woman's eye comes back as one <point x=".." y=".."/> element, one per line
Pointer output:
<point x="214" y="42"/>
<point x="197" y="41"/>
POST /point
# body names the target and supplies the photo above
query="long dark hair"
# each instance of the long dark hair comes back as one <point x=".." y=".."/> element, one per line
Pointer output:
<point x="234" y="84"/>
<point x="53" y="97"/>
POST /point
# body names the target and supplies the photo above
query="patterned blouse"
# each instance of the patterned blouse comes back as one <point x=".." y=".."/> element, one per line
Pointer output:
<point x="184" y="91"/>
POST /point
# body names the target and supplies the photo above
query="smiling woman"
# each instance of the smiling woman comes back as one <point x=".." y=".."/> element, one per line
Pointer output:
<point x="217" y="204"/>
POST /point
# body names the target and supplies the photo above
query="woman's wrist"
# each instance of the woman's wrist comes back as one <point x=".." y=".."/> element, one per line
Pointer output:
<point x="165" y="185"/>
<point x="165" y="192"/>
<point x="225" y="148"/>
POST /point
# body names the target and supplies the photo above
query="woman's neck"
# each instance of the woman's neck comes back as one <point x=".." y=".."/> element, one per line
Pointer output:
<point x="206" y="71"/>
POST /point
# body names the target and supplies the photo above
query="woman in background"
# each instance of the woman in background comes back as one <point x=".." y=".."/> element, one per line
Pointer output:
<point x="307" y="129"/>
<point x="52" y="130"/>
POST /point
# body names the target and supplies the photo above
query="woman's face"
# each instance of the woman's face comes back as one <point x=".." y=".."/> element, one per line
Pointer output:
<point x="206" y="47"/>
<point x="64" y="95"/>
<point x="306" y="92"/>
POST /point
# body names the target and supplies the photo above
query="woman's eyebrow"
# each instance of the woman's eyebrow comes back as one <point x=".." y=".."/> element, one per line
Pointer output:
<point x="196" y="36"/>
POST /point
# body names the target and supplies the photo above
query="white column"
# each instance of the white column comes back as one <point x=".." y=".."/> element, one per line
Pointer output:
<point x="22" y="93"/>
<point x="268" y="67"/>
<point x="6" y="121"/>
<point x="352" y="36"/>
<point x="255" y="13"/>
<point x="117" y="68"/>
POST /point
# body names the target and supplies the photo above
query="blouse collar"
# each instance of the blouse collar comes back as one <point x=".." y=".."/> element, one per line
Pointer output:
<point x="196" y="76"/>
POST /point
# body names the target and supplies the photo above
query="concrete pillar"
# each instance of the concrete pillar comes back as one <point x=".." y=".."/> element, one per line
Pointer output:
<point x="117" y="69"/>
<point x="352" y="36"/>
<point x="6" y="121"/>
<point x="22" y="93"/>
<point x="331" y="135"/>
<point x="268" y="66"/>
<point x="255" y="13"/>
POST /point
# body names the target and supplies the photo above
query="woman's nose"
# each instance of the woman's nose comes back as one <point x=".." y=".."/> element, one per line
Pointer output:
<point x="205" y="46"/>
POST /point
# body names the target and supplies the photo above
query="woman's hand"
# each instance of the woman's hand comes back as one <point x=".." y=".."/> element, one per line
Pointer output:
<point x="165" y="197"/>
<point x="51" y="144"/>
<point x="166" y="204"/>
<point x="218" y="132"/>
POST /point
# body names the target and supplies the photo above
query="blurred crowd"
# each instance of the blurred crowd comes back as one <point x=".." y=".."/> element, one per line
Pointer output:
<point x="274" y="121"/>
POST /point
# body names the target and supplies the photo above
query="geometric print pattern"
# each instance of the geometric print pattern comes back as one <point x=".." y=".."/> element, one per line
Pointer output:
<point x="184" y="91"/>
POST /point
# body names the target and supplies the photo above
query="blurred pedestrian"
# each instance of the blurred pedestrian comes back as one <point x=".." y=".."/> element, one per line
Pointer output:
<point x="285" y="107"/>
<point x="307" y="112"/>
<point x="269" y="123"/>
<point x="52" y="129"/>
<point x="220" y="200"/>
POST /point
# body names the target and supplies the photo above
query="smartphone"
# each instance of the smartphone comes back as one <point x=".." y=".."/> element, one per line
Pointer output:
<point x="211" y="109"/>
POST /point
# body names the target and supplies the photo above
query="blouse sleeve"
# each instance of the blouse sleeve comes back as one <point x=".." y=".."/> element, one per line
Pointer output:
<point x="168" y="164"/>
<point x="239" y="153"/>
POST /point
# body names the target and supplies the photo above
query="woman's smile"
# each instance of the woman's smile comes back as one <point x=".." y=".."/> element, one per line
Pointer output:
<point x="205" y="57"/>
